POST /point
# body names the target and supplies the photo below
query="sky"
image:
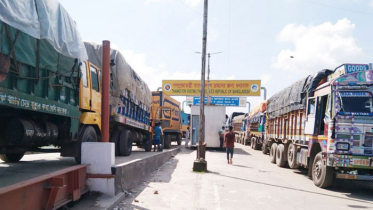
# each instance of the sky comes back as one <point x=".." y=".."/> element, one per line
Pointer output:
<point x="275" y="41"/>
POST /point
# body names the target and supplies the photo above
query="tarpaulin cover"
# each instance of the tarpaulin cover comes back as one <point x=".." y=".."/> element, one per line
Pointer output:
<point x="46" y="20"/>
<point x="26" y="51"/>
<point x="289" y="99"/>
<point x="238" y="119"/>
<point x="259" y="108"/>
<point x="317" y="78"/>
<point x="124" y="78"/>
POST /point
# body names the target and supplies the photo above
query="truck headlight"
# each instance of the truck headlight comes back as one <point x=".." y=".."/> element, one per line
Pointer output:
<point x="343" y="146"/>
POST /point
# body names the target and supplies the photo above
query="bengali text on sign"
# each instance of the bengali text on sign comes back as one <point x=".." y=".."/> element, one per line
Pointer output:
<point x="216" y="87"/>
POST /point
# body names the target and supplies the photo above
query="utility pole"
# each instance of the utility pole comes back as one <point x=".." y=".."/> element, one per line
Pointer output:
<point x="200" y="164"/>
<point x="208" y="78"/>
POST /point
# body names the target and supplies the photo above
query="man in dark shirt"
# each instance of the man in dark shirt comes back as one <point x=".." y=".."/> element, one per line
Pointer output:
<point x="229" y="138"/>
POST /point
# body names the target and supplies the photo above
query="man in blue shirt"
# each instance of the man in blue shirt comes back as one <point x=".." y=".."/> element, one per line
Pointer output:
<point x="221" y="137"/>
<point x="157" y="136"/>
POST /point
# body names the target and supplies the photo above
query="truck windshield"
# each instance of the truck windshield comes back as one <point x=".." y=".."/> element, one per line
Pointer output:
<point x="356" y="102"/>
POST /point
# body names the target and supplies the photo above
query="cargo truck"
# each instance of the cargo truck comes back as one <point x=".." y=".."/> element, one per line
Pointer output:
<point x="257" y="126"/>
<point x="51" y="95"/>
<point x="130" y="102"/>
<point x="239" y="128"/>
<point x="324" y="123"/>
<point x="229" y="121"/>
<point x="171" y="113"/>
<point x="185" y="122"/>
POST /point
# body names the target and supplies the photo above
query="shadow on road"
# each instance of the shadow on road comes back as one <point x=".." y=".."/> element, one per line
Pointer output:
<point x="358" y="195"/>
<point x="242" y="166"/>
<point x="240" y="151"/>
<point x="350" y="188"/>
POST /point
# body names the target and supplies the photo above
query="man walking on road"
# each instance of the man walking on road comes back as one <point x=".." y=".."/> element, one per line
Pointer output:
<point x="229" y="143"/>
<point x="187" y="137"/>
<point x="221" y="137"/>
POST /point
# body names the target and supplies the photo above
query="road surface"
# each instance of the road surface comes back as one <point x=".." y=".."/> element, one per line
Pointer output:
<point x="252" y="182"/>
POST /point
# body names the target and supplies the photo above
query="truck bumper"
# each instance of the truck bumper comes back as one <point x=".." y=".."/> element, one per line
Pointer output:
<point x="355" y="177"/>
<point x="350" y="161"/>
<point x="352" y="167"/>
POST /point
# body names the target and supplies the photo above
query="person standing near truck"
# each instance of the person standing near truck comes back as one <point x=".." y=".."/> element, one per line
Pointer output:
<point x="187" y="137"/>
<point x="229" y="138"/>
<point x="221" y="137"/>
<point x="157" y="136"/>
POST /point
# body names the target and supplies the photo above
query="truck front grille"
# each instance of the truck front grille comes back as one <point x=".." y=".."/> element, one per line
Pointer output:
<point x="368" y="143"/>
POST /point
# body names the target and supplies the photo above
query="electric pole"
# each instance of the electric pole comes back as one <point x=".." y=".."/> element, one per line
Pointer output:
<point x="200" y="164"/>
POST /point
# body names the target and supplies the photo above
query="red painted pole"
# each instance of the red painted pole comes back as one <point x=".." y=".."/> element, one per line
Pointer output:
<point x="105" y="91"/>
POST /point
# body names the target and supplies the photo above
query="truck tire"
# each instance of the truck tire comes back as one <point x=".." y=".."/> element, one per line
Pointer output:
<point x="148" y="143"/>
<point x="167" y="141"/>
<point x="88" y="135"/>
<point x="272" y="153"/>
<point x="322" y="175"/>
<point x="252" y="142"/>
<point x="115" y="139"/>
<point x="178" y="137"/>
<point x="280" y="156"/>
<point x="12" y="158"/>
<point x="125" y="143"/>
<point x="264" y="148"/>
<point x="292" y="156"/>
<point x="256" y="145"/>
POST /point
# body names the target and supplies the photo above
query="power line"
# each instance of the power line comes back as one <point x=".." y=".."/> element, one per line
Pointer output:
<point x="190" y="8"/>
<point x="339" y="8"/>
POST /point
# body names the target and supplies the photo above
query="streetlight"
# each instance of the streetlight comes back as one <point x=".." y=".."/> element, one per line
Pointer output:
<point x="208" y="77"/>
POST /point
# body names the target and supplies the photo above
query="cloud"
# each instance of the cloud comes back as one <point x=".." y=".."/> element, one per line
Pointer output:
<point x="317" y="47"/>
<point x="153" y="76"/>
<point x="189" y="3"/>
<point x="265" y="79"/>
<point x="212" y="35"/>
<point x="230" y="77"/>
<point x="371" y="3"/>
<point x="193" y="3"/>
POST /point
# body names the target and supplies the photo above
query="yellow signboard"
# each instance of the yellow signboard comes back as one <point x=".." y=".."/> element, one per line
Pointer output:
<point x="217" y="87"/>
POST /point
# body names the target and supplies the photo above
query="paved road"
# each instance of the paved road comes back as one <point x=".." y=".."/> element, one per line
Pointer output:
<point x="252" y="182"/>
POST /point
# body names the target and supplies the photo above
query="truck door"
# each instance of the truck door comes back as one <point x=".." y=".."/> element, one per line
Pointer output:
<point x="311" y="115"/>
<point x="96" y="88"/>
<point x="90" y="94"/>
<point x="163" y="115"/>
<point x="85" y="87"/>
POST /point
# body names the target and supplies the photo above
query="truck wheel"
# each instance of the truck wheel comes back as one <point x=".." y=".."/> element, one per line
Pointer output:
<point x="280" y="155"/>
<point x="125" y="143"/>
<point x="167" y="141"/>
<point x="115" y="139"/>
<point x="256" y="145"/>
<point x="272" y="153"/>
<point x="322" y="175"/>
<point x="252" y="142"/>
<point x="292" y="156"/>
<point x="12" y="158"/>
<point x="88" y="135"/>
<point x="148" y="144"/>
<point x="264" y="148"/>
<point x="178" y="136"/>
